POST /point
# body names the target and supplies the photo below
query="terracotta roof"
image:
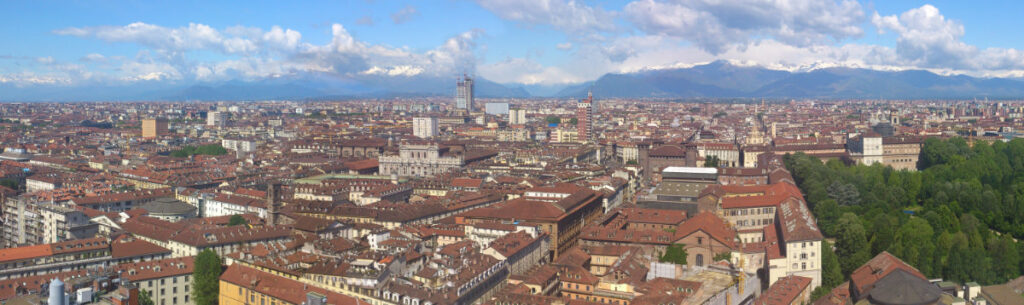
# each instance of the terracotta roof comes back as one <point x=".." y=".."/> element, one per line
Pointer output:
<point x="863" y="279"/>
<point x="126" y="246"/>
<point x="668" y="151"/>
<point x="279" y="287"/>
<point x="26" y="252"/>
<point x="148" y="270"/>
<point x="709" y="223"/>
<point x="784" y="291"/>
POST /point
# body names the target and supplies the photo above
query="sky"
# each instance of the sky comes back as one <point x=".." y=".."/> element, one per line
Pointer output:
<point x="531" y="42"/>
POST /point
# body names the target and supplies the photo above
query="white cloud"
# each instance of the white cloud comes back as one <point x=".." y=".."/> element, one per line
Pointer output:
<point x="404" y="70"/>
<point x="569" y="16"/>
<point x="717" y="25"/>
<point x="927" y="39"/>
<point x="404" y="15"/>
<point x="526" y="71"/>
<point x="94" y="57"/>
<point x="564" y="46"/>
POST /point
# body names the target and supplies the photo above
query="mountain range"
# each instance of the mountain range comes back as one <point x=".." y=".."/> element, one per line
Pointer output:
<point x="719" y="79"/>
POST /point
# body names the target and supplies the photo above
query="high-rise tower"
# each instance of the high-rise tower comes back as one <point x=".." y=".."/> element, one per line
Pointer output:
<point x="464" y="93"/>
<point x="585" y="118"/>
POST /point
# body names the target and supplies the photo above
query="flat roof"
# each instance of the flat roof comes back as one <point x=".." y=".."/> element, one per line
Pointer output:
<point x="690" y="170"/>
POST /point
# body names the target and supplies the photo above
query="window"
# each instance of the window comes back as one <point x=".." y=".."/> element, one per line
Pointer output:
<point x="174" y="300"/>
<point x="700" y="240"/>
<point x="804" y="265"/>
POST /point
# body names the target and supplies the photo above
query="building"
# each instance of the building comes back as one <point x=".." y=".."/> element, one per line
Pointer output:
<point x="242" y="146"/>
<point x="560" y="135"/>
<point x="420" y="160"/>
<point x="62" y="223"/>
<point x="901" y="152"/>
<point x="790" y="290"/>
<point x="886" y="279"/>
<point x="243" y="285"/>
<point x="680" y="188"/>
<point x="167" y="281"/>
<point x="705" y="236"/>
<point x="464" y="93"/>
<point x="496" y="108"/>
<point x="169" y="209"/>
<point x="424" y="127"/>
<point x="866" y="148"/>
<point x="585" y="119"/>
<point x="152" y="128"/>
<point x="216" y="118"/>
<point x="517" y="117"/>
<point x="560" y="211"/>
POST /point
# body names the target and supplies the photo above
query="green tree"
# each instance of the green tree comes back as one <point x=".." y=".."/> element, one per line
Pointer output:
<point x="711" y="161"/>
<point x="851" y="243"/>
<point x="675" y="253"/>
<point x="144" y="298"/>
<point x="573" y="121"/>
<point x="11" y="183"/>
<point x="554" y="120"/>
<point x="236" y="220"/>
<point x="881" y="239"/>
<point x="206" y="278"/>
<point x="831" y="272"/>
<point x="914" y="244"/>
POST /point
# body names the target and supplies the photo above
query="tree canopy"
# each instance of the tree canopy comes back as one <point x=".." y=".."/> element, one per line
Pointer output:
<point x="957" y="217"/>
<point x="206" y="278"/>
<point x="209" y="149"/>
<point x="236" y="220"/>
<point x="675" y="253"/>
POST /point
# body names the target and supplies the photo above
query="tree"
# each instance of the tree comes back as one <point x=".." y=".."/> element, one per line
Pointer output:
<point x="206" y="278"/>
<point x="851" y="243"/>
<point x="675" y="253"/>
<point x="573" y="121"/>
<point x="711" y="161"/>
<point x="554" y="120"/>
<point x="144" y="298"/>
<point x="831" y="272"/>
<point x="915" y="244"/>
<point x="236" y="220"/>
<point x="11" y="183"/>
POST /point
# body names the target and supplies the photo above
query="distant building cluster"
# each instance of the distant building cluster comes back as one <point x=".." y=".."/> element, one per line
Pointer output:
<point x="435" y="200"/>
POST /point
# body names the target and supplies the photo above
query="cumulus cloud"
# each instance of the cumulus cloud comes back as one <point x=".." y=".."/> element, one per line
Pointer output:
<point x="256" y="53"/>
<point x="717" y="25"/>
<point x="404" y="15"/>
<point x="927" y="39"/>
<point x="570" y="16"/>
<point x="795" y="35"/>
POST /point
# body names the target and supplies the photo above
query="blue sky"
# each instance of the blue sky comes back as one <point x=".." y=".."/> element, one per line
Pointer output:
<point x="75" y="43"/>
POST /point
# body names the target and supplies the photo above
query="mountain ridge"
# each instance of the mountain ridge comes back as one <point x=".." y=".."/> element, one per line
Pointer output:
<point x="719" y="79"/>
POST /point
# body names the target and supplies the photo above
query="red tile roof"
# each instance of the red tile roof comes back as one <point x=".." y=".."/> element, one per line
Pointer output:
<point x="709" y="223"/>
<point x="279" y="287"/>
<point x="785" y="291"/>
<point x="863" y="279"/>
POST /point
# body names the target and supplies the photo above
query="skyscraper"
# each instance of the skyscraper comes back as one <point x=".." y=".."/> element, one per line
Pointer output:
<point x="585" y="118"/>
<point x="464" y="93"/>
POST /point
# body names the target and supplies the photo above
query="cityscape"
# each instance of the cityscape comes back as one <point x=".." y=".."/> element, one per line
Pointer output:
<point x="241" y="164"/>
